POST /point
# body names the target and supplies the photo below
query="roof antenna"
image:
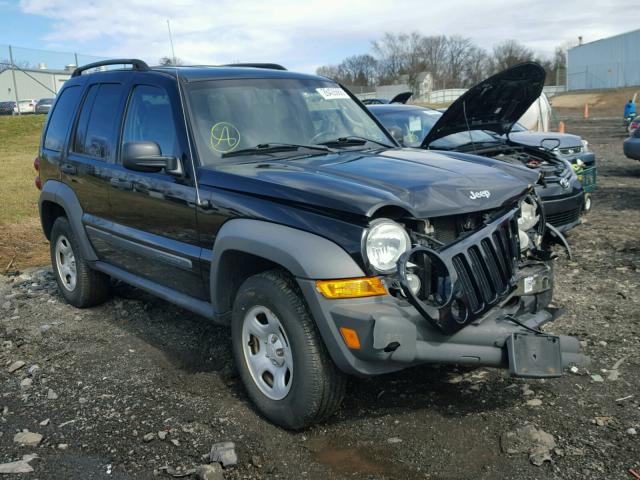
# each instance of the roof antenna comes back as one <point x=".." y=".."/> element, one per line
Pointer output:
<point x="466" y="120"/>
<point x="199" y="201"/>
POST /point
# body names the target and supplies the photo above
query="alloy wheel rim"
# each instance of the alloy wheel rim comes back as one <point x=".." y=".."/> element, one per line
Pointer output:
<point x="267" y="352"/>
<point x="66" y="263"/>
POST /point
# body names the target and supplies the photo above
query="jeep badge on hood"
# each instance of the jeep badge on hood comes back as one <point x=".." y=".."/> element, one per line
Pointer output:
<point x="480" y="194"/>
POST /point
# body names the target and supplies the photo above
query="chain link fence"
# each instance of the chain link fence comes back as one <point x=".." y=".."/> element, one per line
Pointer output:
<point x="28" y="75"/>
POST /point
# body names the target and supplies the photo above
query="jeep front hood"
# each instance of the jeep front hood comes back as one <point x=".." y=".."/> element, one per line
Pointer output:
<point x="426" y="184"/>
<point x="494" y="104"/>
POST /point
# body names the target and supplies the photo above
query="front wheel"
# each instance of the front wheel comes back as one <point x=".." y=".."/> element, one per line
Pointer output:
<point x="587" y="203"/>
<point x="280" y="355"/>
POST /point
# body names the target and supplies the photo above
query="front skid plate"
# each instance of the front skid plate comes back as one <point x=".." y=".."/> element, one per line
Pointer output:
<point x="534" y="355"/>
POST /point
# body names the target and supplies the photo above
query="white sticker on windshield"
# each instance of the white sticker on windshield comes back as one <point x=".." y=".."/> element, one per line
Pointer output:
<point x="332" y="93"/>
<point x="415" y="124"/>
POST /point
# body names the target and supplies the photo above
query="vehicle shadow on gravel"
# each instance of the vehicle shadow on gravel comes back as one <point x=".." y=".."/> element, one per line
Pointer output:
<point x="194" y="345"/>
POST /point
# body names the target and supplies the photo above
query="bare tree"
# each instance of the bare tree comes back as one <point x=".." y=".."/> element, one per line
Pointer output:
<point x="359" y="70"/>
<point x="166" y="61"/>
<point x="459" y="49"/>
<point x="510" y="53"/>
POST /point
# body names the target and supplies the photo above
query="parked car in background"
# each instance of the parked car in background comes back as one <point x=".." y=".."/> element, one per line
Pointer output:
<point x="570" y="147"/>
<point x="631" y="145"/>
<point x="399" y="98"/>
<point x="634" y="125"/>
<point x="478" y="123"/>
<point x="44" y="105"/>
<point x="6" y="108"/>
<point x="26" y="106"/>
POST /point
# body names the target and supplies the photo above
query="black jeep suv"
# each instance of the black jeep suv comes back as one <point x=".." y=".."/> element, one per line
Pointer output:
<point x="275" y="203"/>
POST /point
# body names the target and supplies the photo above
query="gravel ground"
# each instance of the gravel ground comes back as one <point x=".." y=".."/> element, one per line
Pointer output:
<point x="138" y="388"/>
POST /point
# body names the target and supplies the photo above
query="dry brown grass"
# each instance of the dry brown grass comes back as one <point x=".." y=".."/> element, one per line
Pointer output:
<point x="22" y="243"/>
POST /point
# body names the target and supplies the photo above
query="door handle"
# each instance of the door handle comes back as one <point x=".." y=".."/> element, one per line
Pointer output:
<point x="69" y="169"/>
<point x="121" y="184"/>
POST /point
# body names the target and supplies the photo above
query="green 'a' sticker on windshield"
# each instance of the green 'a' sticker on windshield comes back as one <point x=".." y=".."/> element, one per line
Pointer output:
<point x="225" y="137"/>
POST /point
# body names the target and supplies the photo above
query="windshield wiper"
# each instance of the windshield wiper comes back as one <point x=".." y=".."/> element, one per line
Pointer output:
<point x="353" y="140"/>
<point x="275" y="148"/>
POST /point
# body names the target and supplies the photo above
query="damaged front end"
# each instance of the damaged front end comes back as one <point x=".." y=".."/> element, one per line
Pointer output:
<point x="469" y="289"/>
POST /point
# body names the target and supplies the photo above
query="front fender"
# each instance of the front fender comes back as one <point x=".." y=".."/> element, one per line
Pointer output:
<point x="303" y="254"/>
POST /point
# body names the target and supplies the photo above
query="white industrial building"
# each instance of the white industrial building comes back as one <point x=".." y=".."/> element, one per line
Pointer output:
<point x="32" y="83"/>
<point x="612" y="62"/>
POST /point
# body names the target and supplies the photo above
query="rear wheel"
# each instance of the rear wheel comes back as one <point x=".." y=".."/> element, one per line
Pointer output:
<point x="78" y="283"/>
<point x="279" y="354"/>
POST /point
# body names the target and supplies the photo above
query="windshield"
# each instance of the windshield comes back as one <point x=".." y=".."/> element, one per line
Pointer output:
<point x="416" y="123"/>
<point x="234" y="115"/>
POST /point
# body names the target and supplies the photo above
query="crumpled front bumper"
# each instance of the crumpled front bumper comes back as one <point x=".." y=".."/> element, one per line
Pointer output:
<point x="394" y="335"/>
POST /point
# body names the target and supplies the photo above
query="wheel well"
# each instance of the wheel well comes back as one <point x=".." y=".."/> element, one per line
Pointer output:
<point x="48" y="214"/>
<point x="234" y="268"/>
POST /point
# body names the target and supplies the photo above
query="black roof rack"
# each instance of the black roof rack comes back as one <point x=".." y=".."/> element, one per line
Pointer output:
<point x="134" y="62"/>
<point x="270" y="66"/>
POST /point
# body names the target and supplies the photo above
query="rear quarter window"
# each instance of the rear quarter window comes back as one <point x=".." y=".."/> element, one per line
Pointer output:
<point x="61" y="118"/>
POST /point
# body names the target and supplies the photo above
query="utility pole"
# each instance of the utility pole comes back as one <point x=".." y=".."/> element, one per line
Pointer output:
<point x="173" y="53"/>
<point x="13" y="74"/>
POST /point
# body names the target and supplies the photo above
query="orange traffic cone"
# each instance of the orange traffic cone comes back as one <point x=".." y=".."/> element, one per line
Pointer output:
<point x="586" y="110"/>
<point x="561" y="126"/>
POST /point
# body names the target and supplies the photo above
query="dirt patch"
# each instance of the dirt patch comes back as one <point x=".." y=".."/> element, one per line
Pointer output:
<point x="601" y="102"/>
<point x="110" y="375"/>
<point x="22" y="245"/>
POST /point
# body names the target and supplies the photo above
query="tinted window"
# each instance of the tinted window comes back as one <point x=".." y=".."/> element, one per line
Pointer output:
<point x="150" y="119"/>
<point x="98" y="124"/>
<point x="61" y="118"/>
<point x="83" y="121"/>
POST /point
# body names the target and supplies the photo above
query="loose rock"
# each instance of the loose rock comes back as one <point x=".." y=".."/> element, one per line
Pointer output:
<point x="209" y="472"/>
<point x="535" y="402"/>
<point x="17" y="365"/>
<point x="19" y="466"/>
<point x="632" y="431"/>
<point x="51" y="395"/>
<point x="148" y="437"/>
<point x="224" y="453"/>
<point x="162" y="434"/>
<point x="27" y="438"/>
<point x="527" y="439"/>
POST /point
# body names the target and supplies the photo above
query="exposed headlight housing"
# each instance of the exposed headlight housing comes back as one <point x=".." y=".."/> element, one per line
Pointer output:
<point x="585" y="146"/>
<point x="529" y="228"/>
<point x="385" y="242"/>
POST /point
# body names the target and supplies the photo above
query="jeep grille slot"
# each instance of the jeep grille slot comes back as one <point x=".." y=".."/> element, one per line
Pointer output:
<point x="486" y="269"/>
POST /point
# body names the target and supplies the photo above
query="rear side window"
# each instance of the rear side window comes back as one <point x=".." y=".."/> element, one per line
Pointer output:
<point x="98" y="123"/>
<point x="61" y="118"/>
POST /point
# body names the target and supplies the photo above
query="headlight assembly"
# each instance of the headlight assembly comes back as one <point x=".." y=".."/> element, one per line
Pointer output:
<point x="385" y="242"/>
<point x="530" y="224"/>
<point x="585" y="146"/>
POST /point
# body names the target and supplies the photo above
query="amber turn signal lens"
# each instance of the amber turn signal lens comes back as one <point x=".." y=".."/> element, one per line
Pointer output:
<point x="351" y="288"/>
<point x="350" y="337"/>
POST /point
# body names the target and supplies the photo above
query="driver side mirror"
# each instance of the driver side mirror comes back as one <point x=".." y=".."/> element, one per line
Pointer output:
<point x="146" y="157"/>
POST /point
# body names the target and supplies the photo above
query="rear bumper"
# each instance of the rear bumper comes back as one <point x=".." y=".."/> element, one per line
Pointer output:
<point x="394" y="335"/>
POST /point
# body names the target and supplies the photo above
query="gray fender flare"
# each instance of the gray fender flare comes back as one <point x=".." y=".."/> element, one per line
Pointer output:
<point x="303" y="254"/>
<point x="61" y="194"/>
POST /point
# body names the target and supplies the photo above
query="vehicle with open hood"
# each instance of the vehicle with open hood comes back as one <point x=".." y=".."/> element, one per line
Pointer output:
<point x="481" y="122"/>
<point x="273" y="202"/>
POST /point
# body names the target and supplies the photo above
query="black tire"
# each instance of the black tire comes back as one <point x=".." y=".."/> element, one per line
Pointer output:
<point x="91" y="287"/>
<point x="317" y="386"/>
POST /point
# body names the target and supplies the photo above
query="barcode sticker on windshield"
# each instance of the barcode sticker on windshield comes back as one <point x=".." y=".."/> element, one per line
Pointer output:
<point x="332" y="93"/>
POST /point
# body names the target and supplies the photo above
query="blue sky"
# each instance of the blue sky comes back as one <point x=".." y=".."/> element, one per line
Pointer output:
<point x="299" y="34"/>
